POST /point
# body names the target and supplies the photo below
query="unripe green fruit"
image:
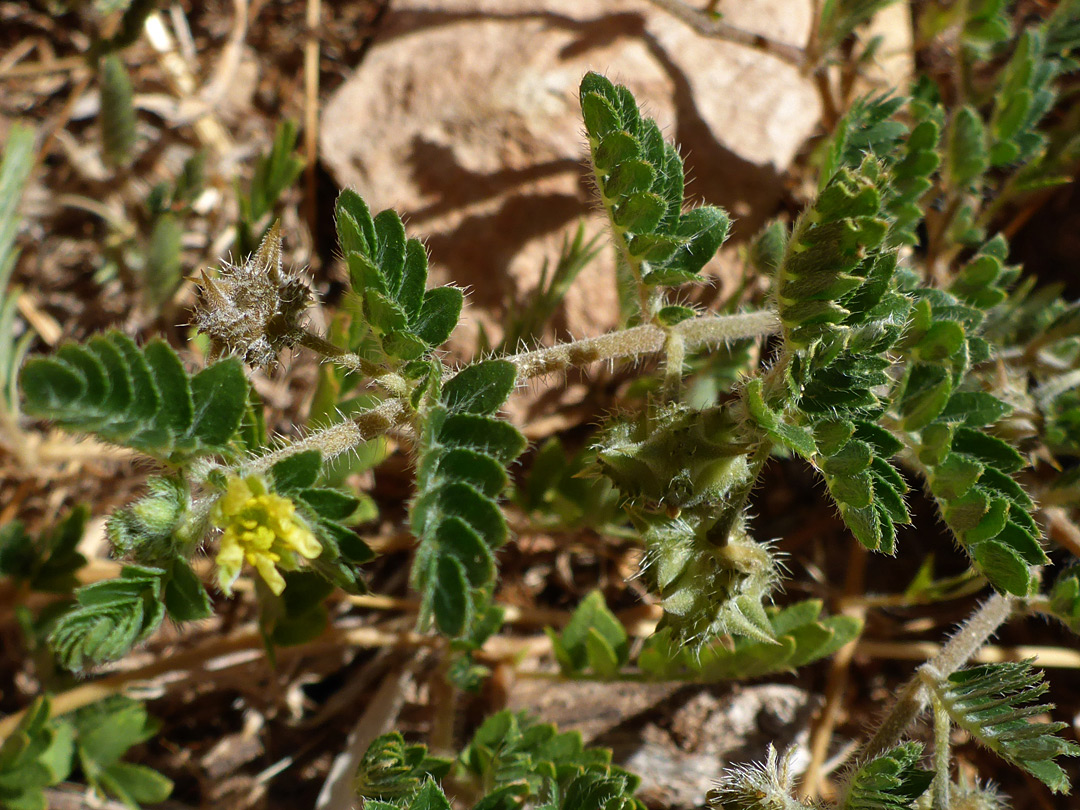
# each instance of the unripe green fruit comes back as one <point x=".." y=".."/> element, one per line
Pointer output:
<point x="708" y="590"/>
<point x="679" y="458"/>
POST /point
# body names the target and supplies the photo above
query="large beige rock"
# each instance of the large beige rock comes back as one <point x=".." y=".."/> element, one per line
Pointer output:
<point x="464" y="117"/>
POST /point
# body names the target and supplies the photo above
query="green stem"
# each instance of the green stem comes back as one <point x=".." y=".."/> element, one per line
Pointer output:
<point x="695" y="333"/>
<point x="913" y="698"/>
<point x="674" y="355"/>
<point x="633" y="264"/>
<point x="390" y="381"/>
<point x="942" y="729"/>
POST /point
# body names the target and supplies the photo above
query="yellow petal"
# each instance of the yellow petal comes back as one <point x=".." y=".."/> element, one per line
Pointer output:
<point x="273" y="578"/>
<point x="229" y="560"/>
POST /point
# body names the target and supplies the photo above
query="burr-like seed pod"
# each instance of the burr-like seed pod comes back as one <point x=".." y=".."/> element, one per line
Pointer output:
<point x="253" y="310"/>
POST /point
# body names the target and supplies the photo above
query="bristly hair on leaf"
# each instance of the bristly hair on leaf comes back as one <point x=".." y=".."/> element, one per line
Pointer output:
<point x="996" y="704"/>
<point x="138" y="397"/>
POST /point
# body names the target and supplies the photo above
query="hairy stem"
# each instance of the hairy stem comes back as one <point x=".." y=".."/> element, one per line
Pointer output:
<point x="342" y="437"/>
<point x="674" y="355"/>
<point x="695" y="333"/>
<point x="389" y="380"/>
<point x="942" y="729"/>
<point x="913" y="698"/>
<point x="644" y="301"/>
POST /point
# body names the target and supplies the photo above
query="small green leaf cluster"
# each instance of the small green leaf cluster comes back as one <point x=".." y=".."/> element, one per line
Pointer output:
<point x="832" y="274"/>
<point x="939" y="407"/>
<point x="42" y="752"/>
<point x="557" y="494"/>
<point x="1065" y="598"/>
<point x="800" y="637"/>
<point x="944" y="414"/>
<point x="595" y="644"/>
<point x="1004" y="124"/>
<point x="139" y="398"/>
<point x="839" y="18"/>
<point x="995" y="704"/>
<point x="110" y="617"/>
<point x="329" y="512"/>
<point x="48" y="563"/>
<point x="515" y="754"/>
<point x="104" y="731"/>
<point x="389" y="278"/>
<point x="592" y="640"/>
<point x="904" y="137"/>
<point x="390" y="769"/>
<point x="1041" y="329"/>
<point x="892" y="781"/>
<point x="640" y="180"/>
<point x="461" y="471"/>
<point x="37" y="755"/>
<point x="1024" y="96"/>
<point x="511" y="762"/>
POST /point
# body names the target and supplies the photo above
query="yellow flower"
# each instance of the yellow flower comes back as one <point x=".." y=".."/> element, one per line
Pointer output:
<point x="261" y="528"/>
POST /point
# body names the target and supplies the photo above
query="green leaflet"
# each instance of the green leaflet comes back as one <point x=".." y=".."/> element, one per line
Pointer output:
<point x="640" y="179"/>
<point x="38" y="754"/>
<point x="593" y="639"/>
<point x="801" y="637"/>
<point x="389" y="276"/>
<point x="140" y="398"/>
<point x="329" y="512"/>
<point x="49" y="562"/>
<point x="104" y="731"/>
<point x="892" y="781"/>
<point x="995" y="703"/>
<point x="109" y="618"/>
<point x="460" y="472"/>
